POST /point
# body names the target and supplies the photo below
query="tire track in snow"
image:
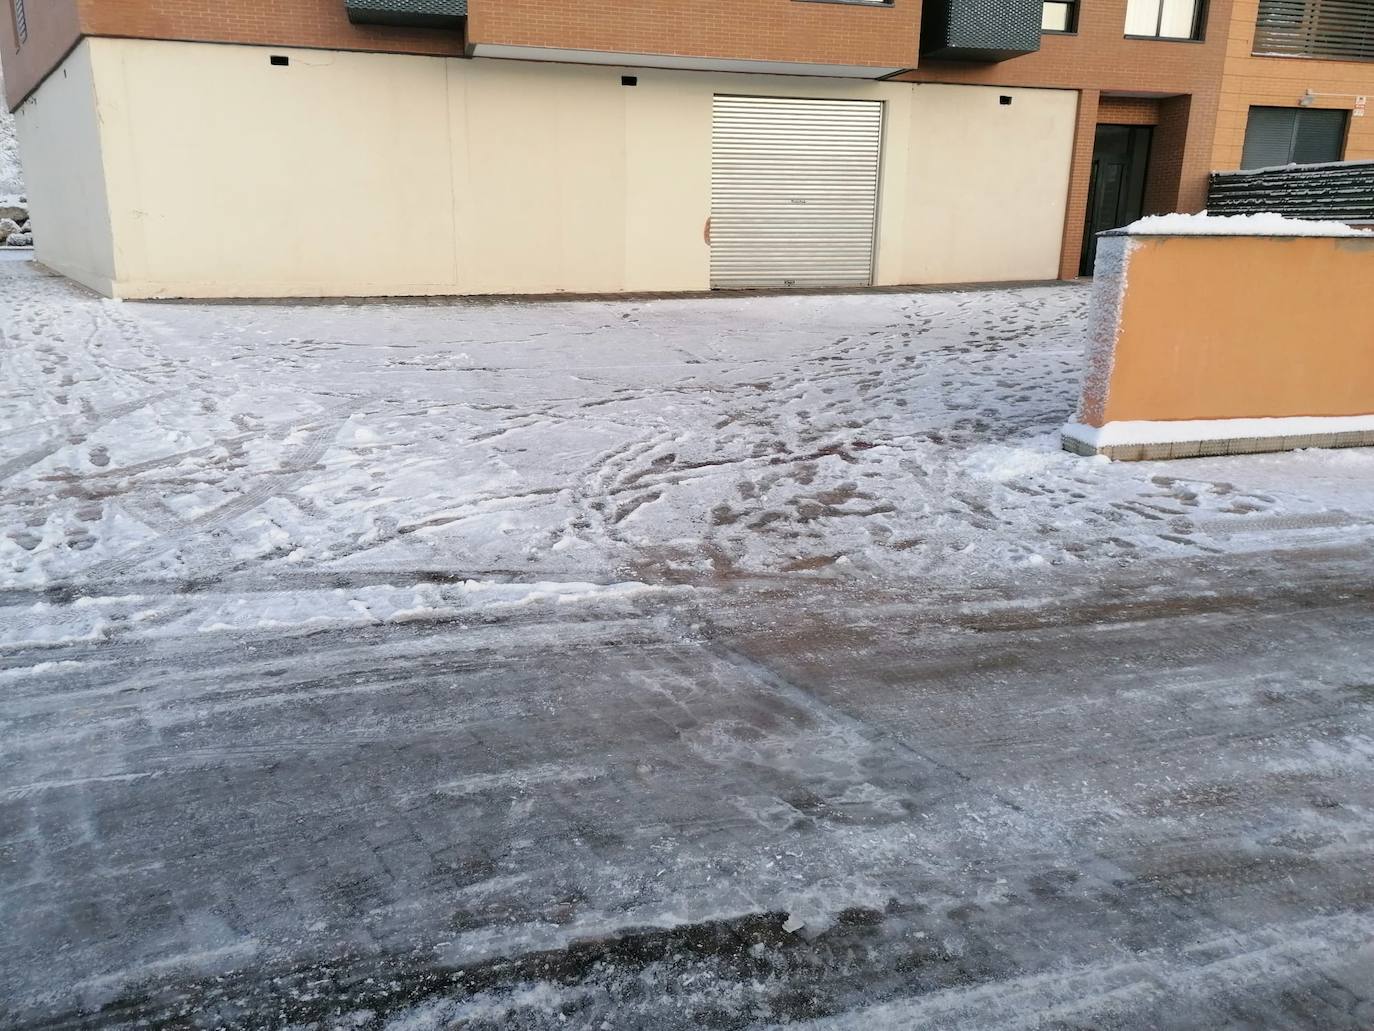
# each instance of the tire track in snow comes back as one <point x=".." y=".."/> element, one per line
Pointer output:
<point x="81" y="427"/>
<point x="293" y="471"/>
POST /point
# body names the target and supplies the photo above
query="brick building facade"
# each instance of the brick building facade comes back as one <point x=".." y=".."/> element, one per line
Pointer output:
<point x="1157" y="94"/>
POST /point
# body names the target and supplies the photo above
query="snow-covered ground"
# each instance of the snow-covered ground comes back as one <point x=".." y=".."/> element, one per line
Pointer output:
<point x="874" y="436"/>
<point x="668" y="664"/>
<point x="11" y="176"/>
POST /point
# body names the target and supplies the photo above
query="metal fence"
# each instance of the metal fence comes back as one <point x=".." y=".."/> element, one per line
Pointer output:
<point x="1341" y="190"/>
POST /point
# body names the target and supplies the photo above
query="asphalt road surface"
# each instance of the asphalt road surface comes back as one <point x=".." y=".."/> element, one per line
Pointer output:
<point x="1145" y="801"/>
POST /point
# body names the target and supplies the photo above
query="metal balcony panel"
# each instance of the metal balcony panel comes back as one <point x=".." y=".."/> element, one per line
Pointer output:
<point x="980" y="30"/>
<point x="439" y="14"/>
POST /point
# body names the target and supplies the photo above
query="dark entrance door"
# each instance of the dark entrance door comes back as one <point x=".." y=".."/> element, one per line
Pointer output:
<point x="1116" y="191"/>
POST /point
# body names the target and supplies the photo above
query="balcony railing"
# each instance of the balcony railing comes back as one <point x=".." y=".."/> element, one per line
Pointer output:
<point x="1337" y="29"/>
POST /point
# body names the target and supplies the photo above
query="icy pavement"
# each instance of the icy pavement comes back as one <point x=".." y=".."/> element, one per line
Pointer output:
<point x="674" y="664"/>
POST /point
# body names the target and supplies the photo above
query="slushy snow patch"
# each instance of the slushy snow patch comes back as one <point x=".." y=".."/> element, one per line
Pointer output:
<point x="1173" y="431"/>
<point x="1266" y="223"/>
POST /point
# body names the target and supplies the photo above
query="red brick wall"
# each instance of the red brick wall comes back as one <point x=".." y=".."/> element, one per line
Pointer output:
<point x="1280" y="82"/>
<point x="1096" y="60"/>
<point x="1127" y="111"/>
<point x="56" y="24"/>
<point x="1164" y="181"/>
<point x="54" y="28"/>
<point x="879" y="36"/>
<point x="1099" y="59"/>
<point x="1080" y="175"/>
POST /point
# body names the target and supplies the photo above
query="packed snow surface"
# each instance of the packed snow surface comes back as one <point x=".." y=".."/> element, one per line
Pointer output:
<point x="680" y="664"/>
<point x="1171" y="431"/>
<point x="1266" y="223"/>
<point x="664" y="442"/>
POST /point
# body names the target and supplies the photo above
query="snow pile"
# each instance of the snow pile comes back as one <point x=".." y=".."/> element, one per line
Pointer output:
<point x="1266" y="223"/>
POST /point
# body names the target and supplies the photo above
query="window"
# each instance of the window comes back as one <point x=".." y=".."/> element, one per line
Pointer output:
<point x="1342" y="29"/>
<point x="1164" y="19"/>
<point x="1059" y="16"/>
<point x="1285" y="135"/>
<point x="21" y="22"/>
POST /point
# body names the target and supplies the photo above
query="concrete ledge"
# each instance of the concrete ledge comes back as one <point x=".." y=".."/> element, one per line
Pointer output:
<point x="1088" y="444"/>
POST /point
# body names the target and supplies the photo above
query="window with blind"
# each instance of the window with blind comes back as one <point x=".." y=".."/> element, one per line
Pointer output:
<point x="1292" y="135"/>
<point x="1164" y="19"/>
<point x="1342" y="29"/>
<point x="1059" y="16"/>
<point x="21" y="22"/>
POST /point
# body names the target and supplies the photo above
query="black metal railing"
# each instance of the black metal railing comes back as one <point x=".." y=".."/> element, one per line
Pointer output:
<point x="1340" y="29"/>
<point x="1342" y="191"/>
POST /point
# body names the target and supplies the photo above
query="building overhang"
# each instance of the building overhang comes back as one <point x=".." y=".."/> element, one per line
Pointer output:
<point x="677" y="61"/>
<point x="438" y="14"/>
<point x="980" y="30"/>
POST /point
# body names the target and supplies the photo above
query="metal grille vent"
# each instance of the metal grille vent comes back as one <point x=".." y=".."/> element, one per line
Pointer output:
<point x="980" y="30"/>
<point x="432" y="13"/>
<point x="1316" y="28"/>
<point x="1343" y="191"/>
<point x="21" y="22"/>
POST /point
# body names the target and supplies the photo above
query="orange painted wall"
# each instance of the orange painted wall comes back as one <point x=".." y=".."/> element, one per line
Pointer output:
<point x="1242" y="327"/>
<point x="1279" y="82"/>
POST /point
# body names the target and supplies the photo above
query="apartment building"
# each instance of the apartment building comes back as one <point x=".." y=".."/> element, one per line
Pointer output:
<point x="414" y="147"/>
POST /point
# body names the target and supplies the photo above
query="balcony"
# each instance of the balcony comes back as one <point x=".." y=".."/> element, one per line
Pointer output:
<point x="439" y="14"/>
<point x="980" y="30"/>
<point x="1339" y="30"/>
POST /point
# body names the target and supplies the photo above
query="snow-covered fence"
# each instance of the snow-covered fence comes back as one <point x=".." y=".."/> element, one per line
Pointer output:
<point x="1340" y="190"/>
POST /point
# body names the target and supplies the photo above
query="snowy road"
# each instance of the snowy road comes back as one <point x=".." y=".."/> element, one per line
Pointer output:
<point x="668" y="664"/>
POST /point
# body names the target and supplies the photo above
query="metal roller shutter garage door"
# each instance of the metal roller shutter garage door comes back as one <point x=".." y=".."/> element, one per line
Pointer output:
<point x="794" y="191"/>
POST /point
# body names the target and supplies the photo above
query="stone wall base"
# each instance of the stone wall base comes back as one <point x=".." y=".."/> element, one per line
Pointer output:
<point x="1149" y="452"/>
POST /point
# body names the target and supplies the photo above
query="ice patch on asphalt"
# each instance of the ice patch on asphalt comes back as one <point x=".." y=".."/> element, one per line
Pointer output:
<point x="86" y="620"/>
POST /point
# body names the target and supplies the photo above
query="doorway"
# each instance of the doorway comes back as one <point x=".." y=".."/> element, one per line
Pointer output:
<point x="1116" y="191"/>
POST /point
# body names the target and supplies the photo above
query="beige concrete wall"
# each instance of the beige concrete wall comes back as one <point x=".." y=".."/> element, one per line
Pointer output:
<point x="568" y="181"/>
<point x="358" y="174"/>
<point x="986" y="184"/>
<point x="232" y="177"/>
<point x="59" y="138"/>
<point x="1232" y="327"/>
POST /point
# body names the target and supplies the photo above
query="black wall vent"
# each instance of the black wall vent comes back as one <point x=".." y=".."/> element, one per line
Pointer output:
<point x="980" y="30"/>
<point x="21" y="23"/>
